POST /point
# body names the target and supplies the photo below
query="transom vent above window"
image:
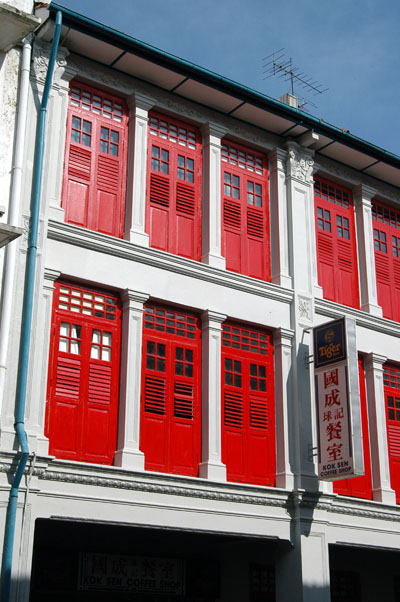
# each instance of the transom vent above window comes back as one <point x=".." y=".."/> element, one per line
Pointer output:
<point x="385" y="215"/>
<point x="391" y="377"/>
<point x="88" y="303"/>
<point x="247" y="340"/>
<point x="170" y="321"/>
<point x="173" y="132"/>
<point x="329" y="192"/>
<point x="241" y="158"/>
<point x="96" y="103"/>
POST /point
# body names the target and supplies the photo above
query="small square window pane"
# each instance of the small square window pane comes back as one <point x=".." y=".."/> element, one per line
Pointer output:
<point x="76" y="123"/>
<point x="179" y="353"/>
<point x="107" y="338"/>
<point x="227" y="178"/>
<point x="164" y="155"/>
<point x="228" y="363"/>
<point x="181" y="173"/>
<point x="64" y="329"/>
<point x="237" y="367"/>
<point x="86" y="139"/>
<point x="151" y="347"/>
<point x="179" y="368"/>
<point x="189" y="355"/>
<point x="114" y="150"/>
<point x="75" y="136"/>
<point x="114" y="137"/>
<point x="228" y="378"/>
<point x="161" y="349"/>
<point x="253" y="384"/>
<point x="155" y="152"/>
<point x="103" y="146"/>
<point x="235" y="193"/>
<point x="63" y="345"/>
<point x="190" y="177"/>
<point x="235" y="180"/>
<point x="155" y="164"/>
<point x="150" y="362"/>
<point x="96" y="336"/>
<point x="253" y="369"/>
<point x="189" y="370"/>
<point x="95" y="352"/>
<point x="181" y="161"/>
<point x="262" y="385"/>
<point x="237" y="380"/>
<point x="160" y="365"/>
<point x="190" y="164"/>
<point x="104" y="133"/>
<point x="76" y="331"/>
<point x="164" y="167"/>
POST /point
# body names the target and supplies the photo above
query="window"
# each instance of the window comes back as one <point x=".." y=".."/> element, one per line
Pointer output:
<point x="173" y="215"/>
<point x="391" y="381"/>
<point x="245" y="211"/>
<point x="248" y="423"/>
<point x="95" y="160"/>
<point x="359" y="486"/>
<point x="345" y="586"/>
<point x="83" y="374"/>
<point x="336" y="243"/>
<point x="171" y="391"/>
<point x="386" y="226"/>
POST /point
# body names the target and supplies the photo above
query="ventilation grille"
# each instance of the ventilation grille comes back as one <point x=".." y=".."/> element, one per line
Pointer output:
<point x="394" y="440"/>
<point x="325" y="249"/>
<point x="79" y="163"/>
<point x="255" y="224"/>
<point x="185" y="199"/>
<point x="68" y="378"/>
<point x="259" y="413"/>
<point x="159" y="190"/>
<point x="108" y="173"/>
<point x="154" y="395"/>
<point x="231" y="214"/>
<point x="99" y="384"/>
<point x="396" y="272"/>
<point x="233" y="412"/>
<point x="345" y="256"/>
<point x="382" y="269"/>
<point x="183" y="401"/>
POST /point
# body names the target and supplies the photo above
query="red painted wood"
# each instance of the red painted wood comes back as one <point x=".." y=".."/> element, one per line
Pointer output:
<point x="386" y="227"/>
<point x="360" y="486"/>
<point x="248" y="405"/>
<point x="94" y="185"/>
<point x="170" y="436"/>
<point x="173" y="214"/>
<point x="391" y="381"/>
<point x="336" y="243"/>
<point x="245" y="211"/>
<point x="82" y="405"/>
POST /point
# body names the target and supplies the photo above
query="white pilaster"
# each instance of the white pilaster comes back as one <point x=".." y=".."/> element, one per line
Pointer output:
<point x="211" y="466"/>
<point x="284" y="396"/>
<point x="137" y="170"/>
<point x="381" y="489"/>
<point x="212" y="209"/>
<point x="366" y="255"/>
<point x="128" y="454"/>
<point x="279" y="219"/>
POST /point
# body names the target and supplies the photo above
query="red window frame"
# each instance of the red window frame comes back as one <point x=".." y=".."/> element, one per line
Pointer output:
<point x="360" y="487"/>
<point x="170" y="425"/>
<point x="245" y="211"/>
<point x="83" y="383"/>
<point x="386" y="228"/>
<point x="94" y="181"/>
<point x="391" y="381"/>
<point x="336" y="243"/>
<point x="248" y="405"/>
<point x="174" y="168"/>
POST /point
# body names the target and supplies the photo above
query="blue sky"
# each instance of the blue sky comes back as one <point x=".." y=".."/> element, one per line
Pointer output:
<point x="349" y="46"/>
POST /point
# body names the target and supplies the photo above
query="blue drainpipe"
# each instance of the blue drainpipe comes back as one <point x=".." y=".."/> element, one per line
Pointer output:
<point x="26" y="323"/>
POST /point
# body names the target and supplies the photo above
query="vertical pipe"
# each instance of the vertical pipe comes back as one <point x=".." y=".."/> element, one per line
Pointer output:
<point x="26" y="323"/>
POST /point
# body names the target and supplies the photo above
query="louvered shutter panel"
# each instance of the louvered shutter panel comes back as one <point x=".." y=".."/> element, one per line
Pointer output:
<point x="360" y="487"/>
<point x="173" y="214"/>
<point x="245" y="212"/>
<point x="384" y="284"/>
<point x="83" y="391"/>
<point x="392" y="397"/>
<point x="95" y="161"/>
<point x="326" y="267"/>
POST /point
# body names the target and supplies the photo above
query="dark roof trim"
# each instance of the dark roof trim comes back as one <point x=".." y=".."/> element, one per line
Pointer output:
<point x="228" y="86"/>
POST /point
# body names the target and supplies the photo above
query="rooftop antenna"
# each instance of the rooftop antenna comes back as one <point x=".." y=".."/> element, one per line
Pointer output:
<point x="277" y="64"/>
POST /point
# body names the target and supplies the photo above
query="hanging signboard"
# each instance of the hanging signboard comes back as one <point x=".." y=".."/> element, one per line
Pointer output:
<point x="135" y="574"/>
<point x="340" y="449"/>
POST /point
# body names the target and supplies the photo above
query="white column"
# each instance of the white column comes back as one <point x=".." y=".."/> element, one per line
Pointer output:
<point x="212" y="204"/>
<point x="382" y="491"/>
<point x="279" y="219"/>
<point x="366" y="255"/>
<point x="137" y="170"/>
<point x="128" y="454"/>
<point x="211" y="466"/>
<point x="284" y="412"/>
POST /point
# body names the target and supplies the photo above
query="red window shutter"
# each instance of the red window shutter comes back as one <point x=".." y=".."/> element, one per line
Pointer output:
<point x="94" y="185"/>
<point x="170" y="424"/>
<point x="248" y="412"/>
<point x="336" y="243"/>
<point x="245" y="211"/>
<point x="173" y="215"/>
<point x="391" y="379"/>
<point x="82" y="408"/>
<point x="386" y="227"/>
<point x="360" y="486"/>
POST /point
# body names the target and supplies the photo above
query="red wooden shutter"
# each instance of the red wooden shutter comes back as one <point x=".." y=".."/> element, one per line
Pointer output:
<point x="95" y="161"/>
<point x="248" y="405"/>
<point x="245" y="211"/>
<point x="173" y="216"/>
<point x="83" y="375"/>
<point x="171" y="391"/>
<point x="360" y="486"/>
<point x="336" y="243"/>
<point x="391" y="379"/>
<point x="386" y="226"/>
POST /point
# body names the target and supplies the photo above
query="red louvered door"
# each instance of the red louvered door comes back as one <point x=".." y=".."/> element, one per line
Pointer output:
<point x="391" y="379"/>
<point x="83" y="385"/>
<point x="360" y="486"/>
<point x="171" y="390"/>
<point x="95" y="161"/>
<point x="386" y="226"/>
<point x="173" y="215"/>
<point x="336" y="243"/>
<point x="245" y="212"/>
<point x="248" y="424"/>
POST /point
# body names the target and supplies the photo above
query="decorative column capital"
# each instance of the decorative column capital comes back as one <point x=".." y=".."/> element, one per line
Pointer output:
<point x="283" y="336"/>
<point x="213" y="130"/>
<point x="278" y="157"/>
<point x="375" y="361"/>
<point x="139" y="101"/>
<point x="133" y="299"/>
<point x="300" y="164"/>
<point x="363" y="194"/>
<point x="212" y="319"/>
<point x="51" y="275"/>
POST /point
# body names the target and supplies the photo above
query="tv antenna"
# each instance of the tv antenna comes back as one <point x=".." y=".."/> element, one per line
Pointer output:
<point x="277" y="64"/>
